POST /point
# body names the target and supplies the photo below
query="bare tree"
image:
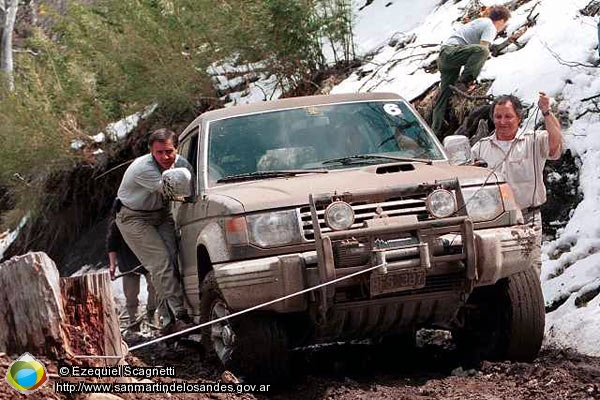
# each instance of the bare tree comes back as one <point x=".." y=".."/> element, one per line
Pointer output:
<point x="8" y="9"/>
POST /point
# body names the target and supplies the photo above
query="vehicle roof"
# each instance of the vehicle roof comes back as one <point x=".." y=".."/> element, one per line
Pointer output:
<point x="292" y="102"/>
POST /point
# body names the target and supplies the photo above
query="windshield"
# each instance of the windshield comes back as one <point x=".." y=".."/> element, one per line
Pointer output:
<point x="311" y="137"/>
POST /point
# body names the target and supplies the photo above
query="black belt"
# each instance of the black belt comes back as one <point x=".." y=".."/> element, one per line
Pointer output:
<point x="532" y="209"/>
<point x="143" y="211"/>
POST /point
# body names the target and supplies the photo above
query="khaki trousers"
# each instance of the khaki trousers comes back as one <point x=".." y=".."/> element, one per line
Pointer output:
<point x="533" y="218"/>
<point x="131" y="289"/>
<point x="151" y="237"/>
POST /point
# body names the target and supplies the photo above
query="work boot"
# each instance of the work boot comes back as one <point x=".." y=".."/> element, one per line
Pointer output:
<point x="151" y="317"/>
<point x="185" y="317"/>
<point x="182" y="321"/>
<point x="134" y="325"/>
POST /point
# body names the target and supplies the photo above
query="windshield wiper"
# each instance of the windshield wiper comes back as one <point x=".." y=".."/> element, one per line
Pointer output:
<point x="357" y="157"/>
<point x="270" y="174"/>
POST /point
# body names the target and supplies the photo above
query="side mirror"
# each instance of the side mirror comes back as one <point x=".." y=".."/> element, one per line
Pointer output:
<point x="458" y="149"/>
<point x="177" y="184"/>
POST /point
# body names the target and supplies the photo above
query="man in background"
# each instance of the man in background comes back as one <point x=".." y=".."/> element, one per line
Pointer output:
<point x="120" y="256"/>
<point x="467" y="47"/>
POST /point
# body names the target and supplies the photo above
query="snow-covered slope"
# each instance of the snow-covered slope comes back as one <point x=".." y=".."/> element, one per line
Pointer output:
<point x="376" y="22"/>
<point x="557" y="58"/>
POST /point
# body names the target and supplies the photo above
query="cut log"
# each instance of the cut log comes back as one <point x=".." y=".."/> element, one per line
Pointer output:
<point x="61" y="318"/>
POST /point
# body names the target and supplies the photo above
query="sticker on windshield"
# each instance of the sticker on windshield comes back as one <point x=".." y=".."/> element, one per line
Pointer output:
<point x="313" y="111"/>
<point x="392" y="109"/>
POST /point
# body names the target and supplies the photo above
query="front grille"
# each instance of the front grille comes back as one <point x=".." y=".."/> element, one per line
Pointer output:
<point x="414" y="205"/>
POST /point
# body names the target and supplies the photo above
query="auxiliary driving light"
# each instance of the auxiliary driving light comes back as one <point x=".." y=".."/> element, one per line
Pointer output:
<point x="339" y="215"/>
<point x="441" y="203"/>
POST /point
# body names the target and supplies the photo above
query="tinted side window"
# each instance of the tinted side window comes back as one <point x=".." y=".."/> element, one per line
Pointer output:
<point x="189" y="150"/>
<point x="193" y="152"/>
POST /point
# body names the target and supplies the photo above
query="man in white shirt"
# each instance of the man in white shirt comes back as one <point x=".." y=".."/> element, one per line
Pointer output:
<point x="520" y="156"/>
<point x="468" y="46"/>
<point x="146" y="223"/>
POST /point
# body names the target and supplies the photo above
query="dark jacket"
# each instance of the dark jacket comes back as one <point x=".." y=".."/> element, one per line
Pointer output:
<point x="125" y="257"/>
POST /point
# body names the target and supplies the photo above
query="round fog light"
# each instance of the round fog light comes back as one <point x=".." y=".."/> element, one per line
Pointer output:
<point x="441" y="203"/>
<point x="339" y="215"/>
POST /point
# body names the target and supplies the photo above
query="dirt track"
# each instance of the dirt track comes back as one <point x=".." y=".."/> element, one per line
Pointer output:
<point x="554" y="375"/>
<point x="363" y="371"/>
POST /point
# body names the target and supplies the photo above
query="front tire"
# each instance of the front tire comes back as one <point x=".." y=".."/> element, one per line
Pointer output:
<point x="252" y="345"/>
<point x="505" y="321"/>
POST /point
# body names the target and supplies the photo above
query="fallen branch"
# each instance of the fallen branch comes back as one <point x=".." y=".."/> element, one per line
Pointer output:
<point x="591" y="9"/>
<point x="529" y="16"/>
<point x="591" y="97"/>
<point x="28" y="51"/>
<point x="595" y="109"/>
<point x="399" y="60"/>
<point x="392" y="59"/>
<point x="582" y="114"/>
<point x="564" y="62"/>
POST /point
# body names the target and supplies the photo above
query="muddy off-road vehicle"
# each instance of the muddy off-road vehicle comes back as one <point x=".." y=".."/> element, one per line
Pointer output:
<point x="298" y="192"/>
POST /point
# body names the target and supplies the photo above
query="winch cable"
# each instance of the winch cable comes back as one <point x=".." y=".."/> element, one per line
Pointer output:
<point x="256" y="307"/>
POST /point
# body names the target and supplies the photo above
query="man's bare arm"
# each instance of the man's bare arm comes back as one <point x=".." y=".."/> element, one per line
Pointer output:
<point x="552" y="126"/>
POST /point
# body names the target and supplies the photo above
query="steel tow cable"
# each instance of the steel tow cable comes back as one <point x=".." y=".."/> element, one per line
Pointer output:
<point x="256" y="307"/>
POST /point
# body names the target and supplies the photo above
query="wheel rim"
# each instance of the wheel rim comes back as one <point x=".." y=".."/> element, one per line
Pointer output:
<point x="221" y="333"/>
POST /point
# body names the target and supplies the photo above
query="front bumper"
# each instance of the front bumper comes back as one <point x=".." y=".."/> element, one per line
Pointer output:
<point x="486" y="256"/>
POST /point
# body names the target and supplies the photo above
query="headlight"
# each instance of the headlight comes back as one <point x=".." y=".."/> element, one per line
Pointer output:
<point x="274" y="228"/>
<point x="441" y="203"/>
<point x="339" y="215"/>
<point x="483" y="203"/>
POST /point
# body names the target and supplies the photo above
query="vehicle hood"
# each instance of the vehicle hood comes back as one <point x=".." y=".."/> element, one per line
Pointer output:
<point x="293" y="191"/>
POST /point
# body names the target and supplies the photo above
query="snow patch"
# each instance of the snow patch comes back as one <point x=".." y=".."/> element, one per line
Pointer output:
<point x="8" y="237"/>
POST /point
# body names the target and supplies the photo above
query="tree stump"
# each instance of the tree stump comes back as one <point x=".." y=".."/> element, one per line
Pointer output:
<point x="92" y="323"/>
<point x="31" y="312"/>
<point x="59" y="317"/>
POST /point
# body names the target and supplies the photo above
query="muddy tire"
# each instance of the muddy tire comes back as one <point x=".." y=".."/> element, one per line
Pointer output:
<point x="505" y="321"/>
<point x="400" y="343"/>
<point x="253" y="346"/>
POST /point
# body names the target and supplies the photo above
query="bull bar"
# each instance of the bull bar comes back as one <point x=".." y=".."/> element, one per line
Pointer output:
<point x="377" y="232"/>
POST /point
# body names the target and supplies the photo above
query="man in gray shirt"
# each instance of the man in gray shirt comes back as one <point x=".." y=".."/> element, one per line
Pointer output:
<point x="146" y="223"/>
<point x="468" y="46"/>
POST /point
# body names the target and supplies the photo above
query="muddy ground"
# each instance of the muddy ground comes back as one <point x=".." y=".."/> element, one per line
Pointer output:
<point x="367" y="371"/>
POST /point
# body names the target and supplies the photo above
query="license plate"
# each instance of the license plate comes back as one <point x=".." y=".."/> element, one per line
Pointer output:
<point x="397" y="281"/>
